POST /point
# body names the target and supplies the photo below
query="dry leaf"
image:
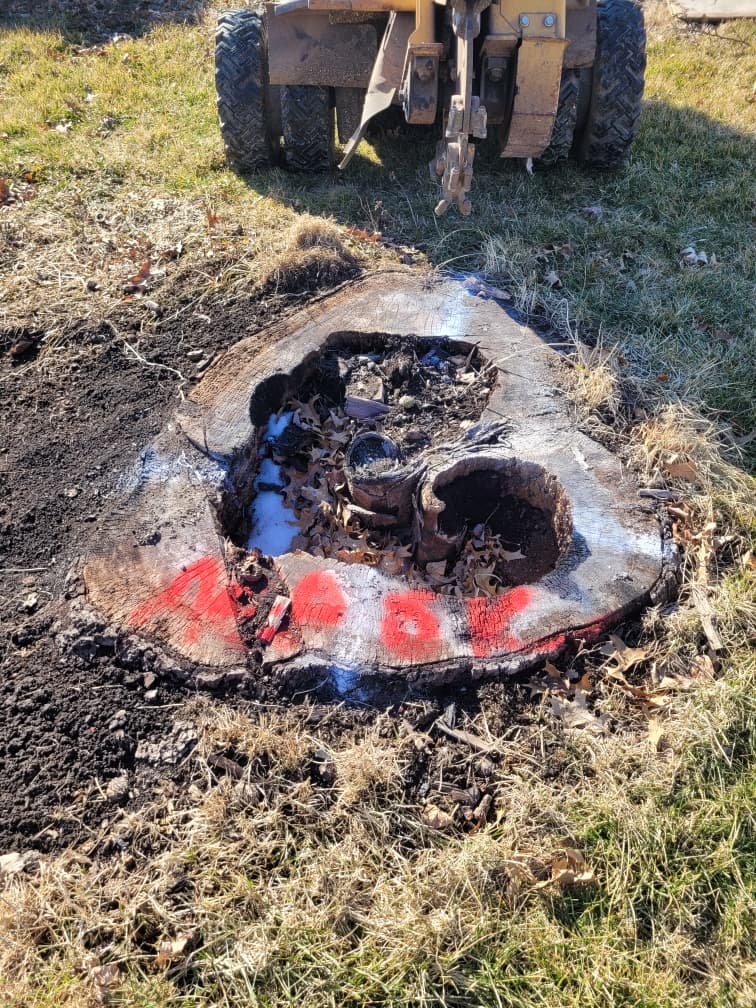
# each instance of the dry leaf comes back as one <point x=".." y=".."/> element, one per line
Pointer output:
<point x="21" y="347"/>
<point x="635" y="691"/>
<point x="436" y="818"/>
<point x="361" y="235"/>
<point x="584" y="684"/>
<point x="171" y="951"/>
<point x="625" y="657"/>
<point x="670" y="684"/>
<point x="141" y="278"/>
<point x="513" y="555"/>
<point x="702" y="667"/>
<point x="5" y="192"/>
<point x="305" y="415"/>
<point x="11" y="864"/>
<point x="212" y="218"/>
<point x="359" y="408"/>
<point x="575" y="714"/>
<point x="105" y="976"/>
<point x="481" y="288"/>
<point x="571" y="869"/>
<point x="683" y="470"/>
<point x="552" y="279"/>
<point x="313" y="496"/>
<point x="568" y="869"/>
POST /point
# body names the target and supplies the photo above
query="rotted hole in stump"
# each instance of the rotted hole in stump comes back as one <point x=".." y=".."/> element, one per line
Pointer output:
<point x="517" y="515"/>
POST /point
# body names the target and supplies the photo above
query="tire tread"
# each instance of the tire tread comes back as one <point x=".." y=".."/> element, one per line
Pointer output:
<point x="617" y="85"/>
<point x="562" y="134"/>
<point x="307" y="126"/>
<point x="241" y="83"/>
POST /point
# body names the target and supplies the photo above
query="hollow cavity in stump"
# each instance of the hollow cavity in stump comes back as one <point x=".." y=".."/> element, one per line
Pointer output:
<point x="372" y="455"/>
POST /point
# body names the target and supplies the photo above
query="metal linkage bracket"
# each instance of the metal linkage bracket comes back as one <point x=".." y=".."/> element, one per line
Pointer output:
<point x="466" y="116"/>
<point x="420" y="89"/>
<point x="453" y="162"/>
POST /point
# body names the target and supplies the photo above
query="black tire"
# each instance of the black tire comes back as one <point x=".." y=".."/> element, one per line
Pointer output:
<point x="616" y="85"/>
<point x="563" y="132"/>
<point x="241" y="82"/>
<point x="307" y="127"/>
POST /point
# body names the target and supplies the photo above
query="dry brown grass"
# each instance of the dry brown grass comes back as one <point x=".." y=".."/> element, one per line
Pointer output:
<point x="339" y="894"/>
<point x="593" y="380"/>
<point x="681" y="447"/>
<point x="314" y="256"/>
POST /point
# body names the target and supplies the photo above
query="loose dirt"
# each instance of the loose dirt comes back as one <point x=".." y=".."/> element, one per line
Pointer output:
<point x="74" y="417"/>
<point x="92" y="724"/>
<point x="97" y="20"/>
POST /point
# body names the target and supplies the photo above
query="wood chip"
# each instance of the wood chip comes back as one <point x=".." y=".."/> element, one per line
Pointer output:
<point x="364" y="409"/>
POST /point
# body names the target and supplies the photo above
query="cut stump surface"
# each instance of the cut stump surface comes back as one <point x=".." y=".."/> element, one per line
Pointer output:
<point x="163" y="570"/>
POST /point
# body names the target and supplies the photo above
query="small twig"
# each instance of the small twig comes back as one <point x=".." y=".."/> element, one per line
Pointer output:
<point x="149" y="363"/>
<point x="470" y="356"/>
<point x="22" y="570"/>
<point x="663" y="495"/>
<point x="698" y="28"/>
<point x="473" y="741"/>
<point x="703" y="607"/>
<point x="165" y="706"/>
<point x="154" y="364"/>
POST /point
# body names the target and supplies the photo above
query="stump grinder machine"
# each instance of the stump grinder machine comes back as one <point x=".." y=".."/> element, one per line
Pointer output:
<point x="549" y="79"/>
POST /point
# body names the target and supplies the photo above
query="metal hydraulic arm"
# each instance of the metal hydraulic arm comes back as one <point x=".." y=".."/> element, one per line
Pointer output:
<point x="466" y="116"/>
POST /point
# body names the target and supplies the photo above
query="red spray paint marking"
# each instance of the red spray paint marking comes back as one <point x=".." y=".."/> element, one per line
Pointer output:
<point x="199" y="597"/>
<point x="489" y="621"/>
<point x="410" y="629"/>
<point x="318" y="601"/>
<point x="280" y="607"/>
<point x="550" y="645"/>
<point x="586" y="634"/>
<point x="286" y="644"/>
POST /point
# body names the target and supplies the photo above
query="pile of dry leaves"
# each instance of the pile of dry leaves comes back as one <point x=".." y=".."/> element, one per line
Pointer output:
<point x="418" y="396"/>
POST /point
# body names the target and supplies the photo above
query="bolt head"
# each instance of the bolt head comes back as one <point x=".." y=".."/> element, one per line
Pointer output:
<point x="549" y="21"/>
<point x="524" y="20"/>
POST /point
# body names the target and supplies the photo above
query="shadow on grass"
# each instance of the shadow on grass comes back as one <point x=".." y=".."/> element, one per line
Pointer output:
<point x="624" y="232"/>
<point x="88" y="22"/>
<point x="683" y="163"/>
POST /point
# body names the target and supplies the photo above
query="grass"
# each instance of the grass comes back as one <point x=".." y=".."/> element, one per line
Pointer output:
<point x="283" y="887"/>
<point x="138" y="121"/>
